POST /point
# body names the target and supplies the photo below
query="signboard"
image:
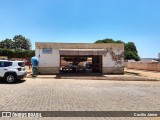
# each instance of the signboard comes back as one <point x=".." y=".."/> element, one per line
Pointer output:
<point x="47" y="50"/>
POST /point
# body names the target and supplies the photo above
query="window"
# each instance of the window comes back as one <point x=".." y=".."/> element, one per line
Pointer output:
<point x="1" y="64"/>
<point x="22" y="64"/>
<point x="5" y="64"/>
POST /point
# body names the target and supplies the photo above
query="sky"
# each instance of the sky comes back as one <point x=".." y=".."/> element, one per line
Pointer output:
<point x="84" y="21"/>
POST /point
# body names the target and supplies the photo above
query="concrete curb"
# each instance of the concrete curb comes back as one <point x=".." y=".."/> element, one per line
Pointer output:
<point x="105" y="77"/>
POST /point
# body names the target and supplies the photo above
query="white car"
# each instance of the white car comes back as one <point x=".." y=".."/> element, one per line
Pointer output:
<point x="11" y="71"/>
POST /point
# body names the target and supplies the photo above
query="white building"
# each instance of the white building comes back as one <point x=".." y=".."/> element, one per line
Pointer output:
<point x="106" y="58"/>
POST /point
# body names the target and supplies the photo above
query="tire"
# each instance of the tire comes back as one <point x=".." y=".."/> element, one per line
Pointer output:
<point x="10" y="78"/>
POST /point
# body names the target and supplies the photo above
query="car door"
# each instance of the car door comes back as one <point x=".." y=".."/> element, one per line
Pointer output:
<point x="2" y="69"/>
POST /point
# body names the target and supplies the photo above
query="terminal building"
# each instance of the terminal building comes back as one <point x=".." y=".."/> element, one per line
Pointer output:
<point x="54" y="58"/>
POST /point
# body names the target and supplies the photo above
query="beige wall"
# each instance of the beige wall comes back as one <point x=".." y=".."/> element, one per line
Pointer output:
<point x="48" y="60"/>
<point x="144" y="66"/>
<point x="113" y="70"/>
<point x="112" y="57"/>
<point x="113" y="61"/>
<point x="48" y="70"/>
<point x="57" y="46"/>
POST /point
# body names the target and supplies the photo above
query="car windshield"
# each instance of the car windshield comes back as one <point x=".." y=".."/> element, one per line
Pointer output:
<point x="22" y="64"/>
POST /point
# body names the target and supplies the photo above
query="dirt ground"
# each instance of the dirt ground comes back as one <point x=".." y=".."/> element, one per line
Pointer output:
<point x="144" y="73"/>
<point x="28" y="69"/>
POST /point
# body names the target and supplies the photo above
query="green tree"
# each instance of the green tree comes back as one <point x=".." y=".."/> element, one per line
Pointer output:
<point x="129" y="48"/>
<point x="21" y="43"/>
<point x="27" y="54"/>
<point x="1" y="44"/>
<point x="107" y="40"/>
<point x="131" y="51"/>
<point x="7" y="43"/>
<point x="119" y="41"/>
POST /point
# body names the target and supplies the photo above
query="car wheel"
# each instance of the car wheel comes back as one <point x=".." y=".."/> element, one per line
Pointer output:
<point x="10" y="78"/>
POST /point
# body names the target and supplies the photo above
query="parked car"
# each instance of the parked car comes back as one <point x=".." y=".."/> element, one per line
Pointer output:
<point x="12" y="71"/>
<point x="72" y="67"/>
<point x="68" y="67"/>
<point x="88" y="65"/>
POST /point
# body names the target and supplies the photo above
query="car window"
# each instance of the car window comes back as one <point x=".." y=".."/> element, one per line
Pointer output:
<point x="5" y="64"/>
<point x="22" y="64"/>
<point x="1" y="64"/>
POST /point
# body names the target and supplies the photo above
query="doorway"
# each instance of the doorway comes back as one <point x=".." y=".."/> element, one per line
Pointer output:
<point x="97" y="64"/>
<point x="80" y="64"/>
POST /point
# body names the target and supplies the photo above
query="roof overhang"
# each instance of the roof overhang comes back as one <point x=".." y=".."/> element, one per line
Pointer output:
<point x="82" y="52"/>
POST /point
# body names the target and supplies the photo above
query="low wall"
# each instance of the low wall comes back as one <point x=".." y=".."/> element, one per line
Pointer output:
<point x="144" y="66"/>
<point x="113" y="70"/>
<point x="48" y="70"/>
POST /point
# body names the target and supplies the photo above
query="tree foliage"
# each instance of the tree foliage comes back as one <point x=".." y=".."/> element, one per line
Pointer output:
<point x="17" y="53"/>
<point x="130" y="50"/>
<point x="19" y="47"/>
<point x="19" y="42"/>
<point x="7" y="43"/>
<point x="108" y="40"/>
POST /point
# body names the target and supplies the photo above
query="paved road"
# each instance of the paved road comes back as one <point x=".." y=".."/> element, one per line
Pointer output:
<point x="80" y="95"/>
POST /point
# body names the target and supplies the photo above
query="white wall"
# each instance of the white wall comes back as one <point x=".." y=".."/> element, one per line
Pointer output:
<point x="48" y="60"/>
<point x="107" y="60"/>
<point x="53" y="60"/>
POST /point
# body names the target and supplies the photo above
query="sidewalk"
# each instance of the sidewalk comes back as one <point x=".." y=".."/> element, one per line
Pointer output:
<point x="104" y="77"/>
<point x="131" y="75"/>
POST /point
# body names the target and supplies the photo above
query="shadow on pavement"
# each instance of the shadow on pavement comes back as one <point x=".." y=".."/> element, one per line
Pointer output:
<point x="73" y="75"/>
<point x="17" y="82"/>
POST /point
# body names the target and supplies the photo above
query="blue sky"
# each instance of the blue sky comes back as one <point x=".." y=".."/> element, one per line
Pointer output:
<point x="84" y="21"/>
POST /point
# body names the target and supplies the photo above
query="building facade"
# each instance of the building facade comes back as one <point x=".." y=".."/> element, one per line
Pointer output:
<point x="107" y="58"/>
